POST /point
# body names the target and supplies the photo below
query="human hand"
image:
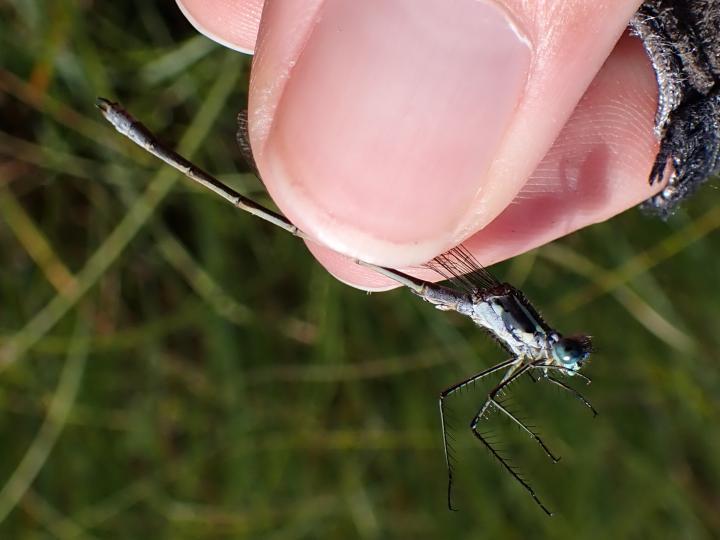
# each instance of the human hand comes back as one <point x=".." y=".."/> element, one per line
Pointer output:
<point x="392" y="130"/>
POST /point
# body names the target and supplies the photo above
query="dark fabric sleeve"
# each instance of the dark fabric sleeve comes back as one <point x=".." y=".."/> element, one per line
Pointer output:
<point x="682" y="39"/>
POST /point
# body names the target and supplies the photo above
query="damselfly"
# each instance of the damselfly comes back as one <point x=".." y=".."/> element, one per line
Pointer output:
<point x="535" y="348"/>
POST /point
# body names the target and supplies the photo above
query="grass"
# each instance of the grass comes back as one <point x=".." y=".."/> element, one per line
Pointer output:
<point x="174" y="369"/>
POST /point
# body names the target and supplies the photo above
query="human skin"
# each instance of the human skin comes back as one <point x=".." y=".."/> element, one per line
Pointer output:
<point x="392" y="130"/>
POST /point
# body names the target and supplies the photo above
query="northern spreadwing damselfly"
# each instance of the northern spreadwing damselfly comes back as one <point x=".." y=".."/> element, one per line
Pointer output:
<point x="535" y="348"/>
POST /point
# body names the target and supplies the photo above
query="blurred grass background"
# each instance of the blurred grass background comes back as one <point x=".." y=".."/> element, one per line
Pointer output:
<point x="171" y="368"/>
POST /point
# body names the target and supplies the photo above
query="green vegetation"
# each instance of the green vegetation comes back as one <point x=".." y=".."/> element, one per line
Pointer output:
<point x="172" y="368"/>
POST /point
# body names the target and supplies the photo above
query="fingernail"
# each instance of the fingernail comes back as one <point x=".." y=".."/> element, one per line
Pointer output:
<point x="389" y="120"/>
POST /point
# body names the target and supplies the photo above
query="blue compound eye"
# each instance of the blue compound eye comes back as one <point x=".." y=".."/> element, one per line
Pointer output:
<point x="571" y="351"/>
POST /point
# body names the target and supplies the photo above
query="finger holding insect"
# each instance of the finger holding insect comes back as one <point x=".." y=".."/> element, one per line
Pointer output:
<point x="598" y="167"/>
<point x="387" y="147"/>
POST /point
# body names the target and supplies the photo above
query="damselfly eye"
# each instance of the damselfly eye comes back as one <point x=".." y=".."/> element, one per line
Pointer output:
<point x="571" y="351"/>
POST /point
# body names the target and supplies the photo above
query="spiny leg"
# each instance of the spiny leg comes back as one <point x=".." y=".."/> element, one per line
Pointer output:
<point x="510" y="377"/>
<point x="451" y="390"/>
<point x="512" y="374"/>
<point x="574" y="392"/>
<point x="513" y="472"/>
<point x="499" y="406"/>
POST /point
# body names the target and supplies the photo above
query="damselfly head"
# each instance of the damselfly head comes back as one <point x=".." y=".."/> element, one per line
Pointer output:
<point x="571" y="352"/>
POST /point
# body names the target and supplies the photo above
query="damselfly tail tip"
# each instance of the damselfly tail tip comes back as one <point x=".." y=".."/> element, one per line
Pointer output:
<point x="120" y="119"/>
<point x="109" y="109"/>
<point x="104" y="104"/>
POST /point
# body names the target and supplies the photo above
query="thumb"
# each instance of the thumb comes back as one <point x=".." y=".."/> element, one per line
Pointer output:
<point x="392" y="130"/>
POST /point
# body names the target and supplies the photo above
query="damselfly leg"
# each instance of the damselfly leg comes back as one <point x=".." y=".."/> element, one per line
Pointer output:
<point x="515" y="369"/>
<point x="443" y="422"/>
<point x="512" y="375"/>
<point x="574" y="392"/>
<point x="568" y="388"/>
